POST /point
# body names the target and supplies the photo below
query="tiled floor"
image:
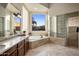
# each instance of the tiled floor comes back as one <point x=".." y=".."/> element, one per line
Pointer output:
<point x="53" y="50"/>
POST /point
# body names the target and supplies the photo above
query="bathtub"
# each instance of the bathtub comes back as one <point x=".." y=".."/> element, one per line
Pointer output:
<point x="36" y="41"/>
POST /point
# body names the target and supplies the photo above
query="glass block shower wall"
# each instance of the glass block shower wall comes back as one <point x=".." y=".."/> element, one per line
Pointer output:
<point x="61" y="24"/>
<point x="62" y="21"/>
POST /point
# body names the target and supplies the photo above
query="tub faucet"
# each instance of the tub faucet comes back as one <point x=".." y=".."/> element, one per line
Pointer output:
<point x="41" y="36"/>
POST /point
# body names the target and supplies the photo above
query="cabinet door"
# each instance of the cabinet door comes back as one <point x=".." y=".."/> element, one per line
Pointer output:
<point x="21" y="51"/>
<point x="21" y="48"/>
<point x="26" y="45"/>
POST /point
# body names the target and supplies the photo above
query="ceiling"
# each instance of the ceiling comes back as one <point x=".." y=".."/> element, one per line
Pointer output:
<point x="36" y="7"/>
<point x="32" y="7"/>
<point x="17" y="5"/>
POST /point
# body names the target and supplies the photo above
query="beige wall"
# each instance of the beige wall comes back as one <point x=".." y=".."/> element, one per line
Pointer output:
<point x="73" y="21"/>
<point x="2" y="11"/>
<point x="48" y="25"/>
<point x="39" y="33"/>
<point x="25" y="16"/>
<point x="53" y="25"/>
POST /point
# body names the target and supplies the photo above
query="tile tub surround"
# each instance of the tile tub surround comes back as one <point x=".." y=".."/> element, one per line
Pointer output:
<point x="33" y="43"/>
<point x="10" y="43"/>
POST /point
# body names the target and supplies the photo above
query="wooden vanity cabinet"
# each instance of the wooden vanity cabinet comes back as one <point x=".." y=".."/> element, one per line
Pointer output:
<point x="11" y="52"/>
<point x="26" y="45"/>
<point x="17" y="50"/>
<point x="14" y="53"/>
<point x="21" y="49"/>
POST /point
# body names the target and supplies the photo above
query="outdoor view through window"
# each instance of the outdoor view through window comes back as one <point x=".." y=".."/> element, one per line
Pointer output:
<point x="38" y="22"/>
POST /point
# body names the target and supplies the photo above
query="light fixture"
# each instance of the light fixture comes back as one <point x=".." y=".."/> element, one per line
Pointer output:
<point x="16" y="14"/>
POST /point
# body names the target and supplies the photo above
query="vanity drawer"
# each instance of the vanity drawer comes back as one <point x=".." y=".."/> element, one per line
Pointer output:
<point x="21" y="43"/>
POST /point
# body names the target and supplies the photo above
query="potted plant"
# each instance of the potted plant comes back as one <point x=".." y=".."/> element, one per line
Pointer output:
<point x="24" y="33"/>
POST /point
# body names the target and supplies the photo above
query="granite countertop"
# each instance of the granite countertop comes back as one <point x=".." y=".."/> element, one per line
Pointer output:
<point x="7" y="44"/>
<point x="7" y="37"/>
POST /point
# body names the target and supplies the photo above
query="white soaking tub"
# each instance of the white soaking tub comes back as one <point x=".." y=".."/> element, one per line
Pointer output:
<point x="36" y="41"/>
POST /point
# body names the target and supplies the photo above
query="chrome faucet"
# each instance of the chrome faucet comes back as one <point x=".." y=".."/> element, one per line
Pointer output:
<point x="41" y="36"/>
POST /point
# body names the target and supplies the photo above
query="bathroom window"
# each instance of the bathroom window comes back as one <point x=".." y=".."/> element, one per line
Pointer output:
<point x="38" y="22"/>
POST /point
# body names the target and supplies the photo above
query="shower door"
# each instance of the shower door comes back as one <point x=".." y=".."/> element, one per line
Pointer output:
<point x="73" y="29"/>
<point x="72" y="39"/>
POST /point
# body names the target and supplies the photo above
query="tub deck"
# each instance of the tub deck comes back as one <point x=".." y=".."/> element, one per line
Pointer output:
<point x="36" y="41"/>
